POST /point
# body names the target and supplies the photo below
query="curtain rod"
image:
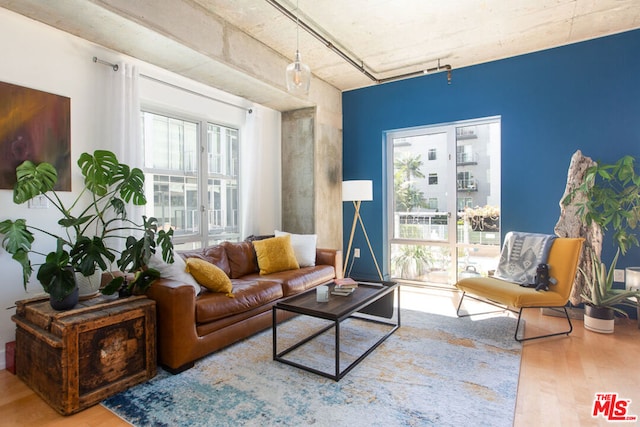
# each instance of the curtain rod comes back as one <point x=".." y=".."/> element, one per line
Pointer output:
<point x="192" y="92"/>
<point x="100" y="61"/>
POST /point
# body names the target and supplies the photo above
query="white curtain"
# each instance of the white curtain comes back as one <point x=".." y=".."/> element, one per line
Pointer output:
<point x="119" y="122"/>
<point x="260" y="180"/>
<point x="123" y="115"/>
<point x="250" y="176"/>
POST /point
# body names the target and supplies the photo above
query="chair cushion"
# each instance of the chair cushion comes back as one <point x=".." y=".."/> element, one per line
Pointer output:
<point x="509" y="294"/>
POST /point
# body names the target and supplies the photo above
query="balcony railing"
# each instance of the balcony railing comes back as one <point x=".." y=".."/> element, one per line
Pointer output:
<point x="467" y="185"/>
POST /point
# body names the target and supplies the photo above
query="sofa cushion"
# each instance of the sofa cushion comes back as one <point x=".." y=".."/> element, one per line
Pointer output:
<point x="275" y="254"/>
<point x="249" y="294"/>
<point x="296" y="281"/>
<point x="242" y="258"/>
<point x="209" y="275"/>
<point x="215" y="255"/>
<point x="304" y="247"/>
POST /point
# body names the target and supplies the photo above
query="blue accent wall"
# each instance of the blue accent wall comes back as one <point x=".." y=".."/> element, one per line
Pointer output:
<point x="583" y="96"/>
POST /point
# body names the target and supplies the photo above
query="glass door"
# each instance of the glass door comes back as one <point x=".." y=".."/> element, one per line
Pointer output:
<point x="437" y="175"/>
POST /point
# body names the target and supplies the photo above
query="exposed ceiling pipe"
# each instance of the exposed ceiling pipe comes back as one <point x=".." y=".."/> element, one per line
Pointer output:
<point x="360" y="65"/>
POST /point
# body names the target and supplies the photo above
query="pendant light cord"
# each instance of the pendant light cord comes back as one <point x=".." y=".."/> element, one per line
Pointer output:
<point x="297" y="29"/>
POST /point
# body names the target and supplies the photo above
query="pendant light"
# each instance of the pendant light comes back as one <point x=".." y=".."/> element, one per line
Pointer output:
<point x="298" y="74"/>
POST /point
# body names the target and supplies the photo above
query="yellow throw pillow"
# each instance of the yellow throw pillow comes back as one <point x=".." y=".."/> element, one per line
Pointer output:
<point x="275" y="254"/>
<point x="209" y="276"/>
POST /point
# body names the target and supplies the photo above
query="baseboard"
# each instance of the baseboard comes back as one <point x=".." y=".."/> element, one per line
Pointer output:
<point x="574" y="312"/>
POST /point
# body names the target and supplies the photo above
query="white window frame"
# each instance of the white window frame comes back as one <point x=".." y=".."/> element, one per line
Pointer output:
<point x="203" y="236"/>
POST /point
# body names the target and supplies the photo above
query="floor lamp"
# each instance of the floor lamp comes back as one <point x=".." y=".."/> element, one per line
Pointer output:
<point x="357" y="192"/>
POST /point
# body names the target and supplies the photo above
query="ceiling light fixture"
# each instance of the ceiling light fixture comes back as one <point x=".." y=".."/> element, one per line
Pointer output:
<point x="298" y="74"/>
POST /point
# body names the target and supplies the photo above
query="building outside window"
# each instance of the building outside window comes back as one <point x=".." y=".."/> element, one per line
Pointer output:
<point x="196" y="195"/>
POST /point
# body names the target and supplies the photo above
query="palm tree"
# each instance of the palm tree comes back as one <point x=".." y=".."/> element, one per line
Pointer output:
<point x="409" y="197"/>
<point x="409" y="167"/>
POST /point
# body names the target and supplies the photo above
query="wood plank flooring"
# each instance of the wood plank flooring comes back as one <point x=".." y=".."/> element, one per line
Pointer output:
<point x="558" y="376"/>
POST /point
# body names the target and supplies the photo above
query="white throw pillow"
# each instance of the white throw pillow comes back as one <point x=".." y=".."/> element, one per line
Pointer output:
<point x="304" y="247"/>
<point x="175" y="271"/>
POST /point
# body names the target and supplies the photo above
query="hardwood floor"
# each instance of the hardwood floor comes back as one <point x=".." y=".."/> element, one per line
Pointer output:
<point x="559" y="376"/>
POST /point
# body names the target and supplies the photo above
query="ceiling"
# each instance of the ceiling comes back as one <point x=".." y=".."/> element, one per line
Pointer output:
<point x="385" y="38"/>
<point x="396" y="37"/>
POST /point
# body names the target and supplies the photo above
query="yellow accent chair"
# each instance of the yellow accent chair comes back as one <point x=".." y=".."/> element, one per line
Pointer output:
<point x="563" y="264"/>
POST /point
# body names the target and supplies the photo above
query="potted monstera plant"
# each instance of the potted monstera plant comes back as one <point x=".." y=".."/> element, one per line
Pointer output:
<point x="96" y="230"/>
<point x="612" y="202"/>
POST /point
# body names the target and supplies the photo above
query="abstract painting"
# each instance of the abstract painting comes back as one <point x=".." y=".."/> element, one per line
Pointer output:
<point x="36" y="126"/>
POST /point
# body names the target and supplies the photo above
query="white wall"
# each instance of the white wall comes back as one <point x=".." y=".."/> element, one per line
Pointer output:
<point x="39" y="57"/>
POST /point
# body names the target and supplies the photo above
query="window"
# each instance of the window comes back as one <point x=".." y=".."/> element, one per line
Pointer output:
<point x="464" y="154"/>
<point x="432" y="154"/>
<point x="433" y="178"/>
<point x="432" y="203"/>
<point x="201" y="207"/>
<point x="465" y="181"/>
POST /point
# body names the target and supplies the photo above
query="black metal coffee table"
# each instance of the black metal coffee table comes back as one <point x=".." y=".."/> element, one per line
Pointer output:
<point x="373" y="299"/>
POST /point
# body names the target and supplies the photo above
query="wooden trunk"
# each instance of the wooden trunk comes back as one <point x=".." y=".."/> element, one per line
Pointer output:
<point x="77" y="358"/>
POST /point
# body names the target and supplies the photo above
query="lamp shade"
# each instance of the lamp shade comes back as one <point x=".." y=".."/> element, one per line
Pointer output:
<point x="632" y="278"/>
<point x="358" y="190"/>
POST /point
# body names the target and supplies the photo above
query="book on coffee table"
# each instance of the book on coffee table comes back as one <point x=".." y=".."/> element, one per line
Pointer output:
<point x="343" y="292"/>
<point x="346" y="283"/>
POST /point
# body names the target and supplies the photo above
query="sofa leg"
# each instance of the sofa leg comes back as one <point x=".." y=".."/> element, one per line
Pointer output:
<point x="179" y="369"/>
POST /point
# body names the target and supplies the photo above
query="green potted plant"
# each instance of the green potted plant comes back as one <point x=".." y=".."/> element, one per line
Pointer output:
<point x="612" y="201"/>
<point x="93" y="224"/>
<point x="602" y="300"/>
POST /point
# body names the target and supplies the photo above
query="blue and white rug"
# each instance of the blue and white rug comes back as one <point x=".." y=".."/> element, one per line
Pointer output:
<point x="434" y="370"/>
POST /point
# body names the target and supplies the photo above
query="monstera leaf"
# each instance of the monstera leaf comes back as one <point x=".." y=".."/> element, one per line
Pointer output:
<point x="132" y="187"/>
<point x="17" y="241"/>
<point x="33" y="180"/>
<point x="56" y="275"/>
<point x="98" y="170"/>
<point x="87" y="253"/>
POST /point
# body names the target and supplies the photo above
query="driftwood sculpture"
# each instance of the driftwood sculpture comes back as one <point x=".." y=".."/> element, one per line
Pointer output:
<point x="570" y="224"/>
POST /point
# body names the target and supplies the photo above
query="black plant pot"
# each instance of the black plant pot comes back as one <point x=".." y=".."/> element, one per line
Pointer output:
<point x="67" y="303"/>
<point x="124" y="291"/>
<point x="604" y="313"/>
<point x="599" y="319"/>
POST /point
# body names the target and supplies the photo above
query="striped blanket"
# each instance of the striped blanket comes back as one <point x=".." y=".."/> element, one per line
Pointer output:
<point x="521" y="253"/>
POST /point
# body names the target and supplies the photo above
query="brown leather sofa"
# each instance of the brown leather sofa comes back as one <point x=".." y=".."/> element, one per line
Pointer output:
<point x="190" y="327"/>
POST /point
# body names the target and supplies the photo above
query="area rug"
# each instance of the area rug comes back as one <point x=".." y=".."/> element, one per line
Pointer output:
<point x="434" y="370"/>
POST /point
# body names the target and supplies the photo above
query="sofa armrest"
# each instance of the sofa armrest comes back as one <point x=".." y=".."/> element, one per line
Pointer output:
<point x="331" y="257"/>
<point x="176" y="320"/>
